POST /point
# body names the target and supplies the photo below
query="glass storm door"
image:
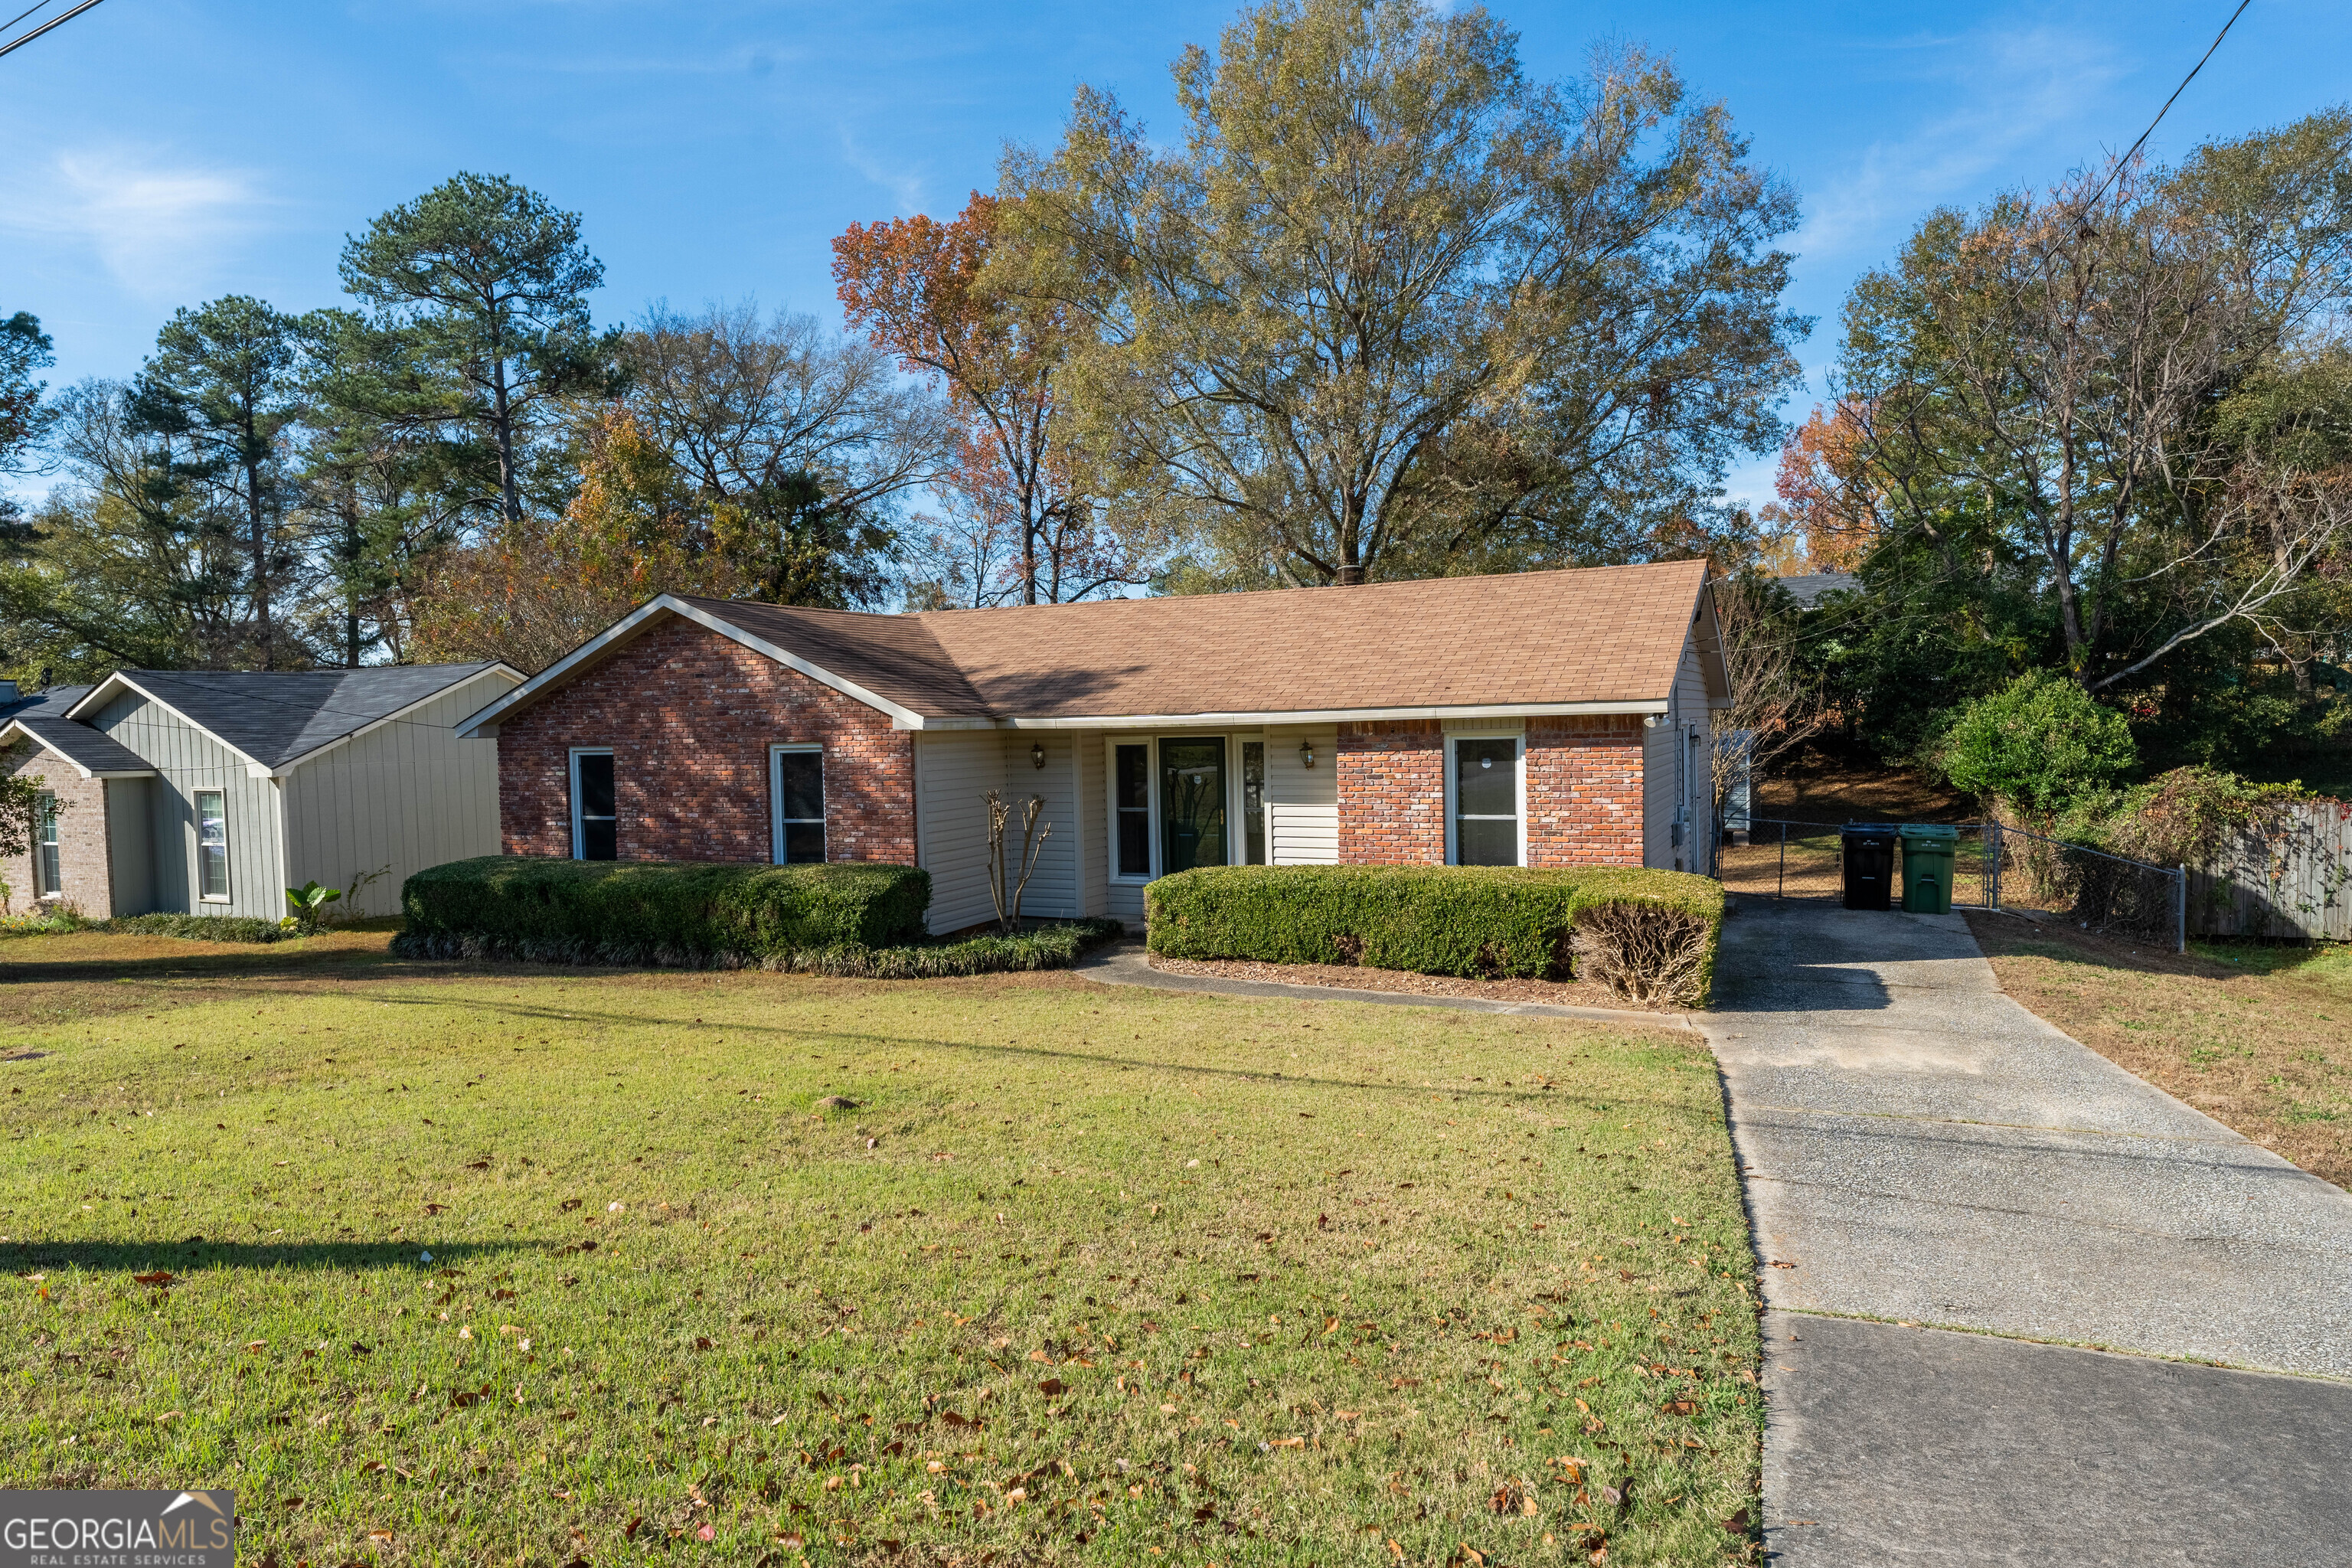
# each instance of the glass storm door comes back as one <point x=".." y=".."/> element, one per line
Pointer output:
<point x="1191" y="803"/>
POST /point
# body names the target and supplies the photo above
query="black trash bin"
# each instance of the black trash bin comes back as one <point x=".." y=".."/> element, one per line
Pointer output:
<point x="1866" y="851"/>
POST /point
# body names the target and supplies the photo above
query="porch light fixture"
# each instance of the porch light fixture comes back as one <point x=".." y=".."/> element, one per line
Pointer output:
<point x="1307" y="754"/>
<point x="1037" y="754"/>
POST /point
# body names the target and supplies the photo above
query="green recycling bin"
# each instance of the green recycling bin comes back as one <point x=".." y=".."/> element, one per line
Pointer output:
<point x="1928" y="867"/>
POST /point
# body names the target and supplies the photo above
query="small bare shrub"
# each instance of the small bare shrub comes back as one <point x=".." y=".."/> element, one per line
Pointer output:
<point x="1645" y="953"/>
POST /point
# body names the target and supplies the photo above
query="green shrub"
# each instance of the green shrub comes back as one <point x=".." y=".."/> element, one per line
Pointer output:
<point x="1056" y="946"/>
<point x="635" y="911"/>
<point x="1477" y="921"/>
<point x="2037" y="744"/>
<point x="195" y="927"/>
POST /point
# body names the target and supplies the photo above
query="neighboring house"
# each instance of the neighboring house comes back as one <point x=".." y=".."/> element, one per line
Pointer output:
<point x="212" y="792"/>
<point x="1548" y="718"/>
<point x="1809" y="588"/>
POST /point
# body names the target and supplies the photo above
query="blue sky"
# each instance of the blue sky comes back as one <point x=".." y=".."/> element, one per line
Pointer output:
<point x="159" y="152"/>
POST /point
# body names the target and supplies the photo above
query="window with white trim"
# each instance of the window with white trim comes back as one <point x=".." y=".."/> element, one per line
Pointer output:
<point x="212" y="846"/>
<point x="595" y="811"/>
<point x="48" y="867"/>
<point x="1131" y="809"/>
<point x="1482" y="826"/>
<point x="796" y="786"/>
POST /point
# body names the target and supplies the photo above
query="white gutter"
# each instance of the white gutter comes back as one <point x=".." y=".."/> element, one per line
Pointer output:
<point x="1301" y="716"/>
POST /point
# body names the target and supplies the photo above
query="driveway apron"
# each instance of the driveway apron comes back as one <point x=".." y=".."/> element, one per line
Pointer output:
<point x="1918" y="1147"/>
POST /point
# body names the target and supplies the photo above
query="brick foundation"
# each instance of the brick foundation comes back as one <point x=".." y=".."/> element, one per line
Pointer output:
<point x="689" y="716"/>
<point x="85" y="865"/>
<point x="1583" y="792"/>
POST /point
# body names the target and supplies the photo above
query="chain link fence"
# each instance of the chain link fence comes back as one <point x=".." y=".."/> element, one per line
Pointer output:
<point x="1994" y="866"/>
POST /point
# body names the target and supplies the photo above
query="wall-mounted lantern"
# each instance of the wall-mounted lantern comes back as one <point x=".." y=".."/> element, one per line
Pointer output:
<point x="1307" y="754"/>
<point x="1037" y="754"/>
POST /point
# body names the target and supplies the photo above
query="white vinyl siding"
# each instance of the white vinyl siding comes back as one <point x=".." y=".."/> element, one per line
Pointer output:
<point x="187" y="760"/>
<point x="408" y="794"/>
<point x="1093" y="824"/>
<point x="1302" y="803"/>
<point x="953" y="769"/>
<point x="1673" y="773"/>
<point x="1053" y="891"/>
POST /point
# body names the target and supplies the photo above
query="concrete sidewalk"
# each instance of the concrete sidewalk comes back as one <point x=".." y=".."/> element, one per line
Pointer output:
<point x="1919" y="1147"/>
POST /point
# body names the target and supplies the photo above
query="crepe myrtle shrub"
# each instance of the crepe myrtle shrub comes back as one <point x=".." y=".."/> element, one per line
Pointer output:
<point x="637" y="912"/>
<point x="1478" y="921"/>
<point x="2037" y="744"/>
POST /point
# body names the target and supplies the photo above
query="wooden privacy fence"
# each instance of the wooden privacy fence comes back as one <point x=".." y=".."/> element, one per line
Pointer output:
<point x="2285" y="877"/>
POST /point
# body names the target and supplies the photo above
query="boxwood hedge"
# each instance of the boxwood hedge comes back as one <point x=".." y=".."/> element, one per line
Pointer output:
<point x="658" y="911"/>
<point x="1471" y="920"/>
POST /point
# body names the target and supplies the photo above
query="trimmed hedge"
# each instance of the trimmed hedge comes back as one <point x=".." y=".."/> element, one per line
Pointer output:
<point x="1478" y="921"/>
<point x="639" y="912"/>
<point x="195" y="927"/>
<point x="846" y="919"/>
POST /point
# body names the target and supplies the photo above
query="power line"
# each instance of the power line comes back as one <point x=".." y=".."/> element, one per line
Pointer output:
<point x="2134" y="151"/>
<point x="14" y="44"/>
<point x="37" y="5"/>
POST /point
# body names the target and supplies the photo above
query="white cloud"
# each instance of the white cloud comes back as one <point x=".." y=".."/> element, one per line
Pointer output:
<point x="904" y="185"/>
<point x="2013" y="88"/>
<point x="162" y="230"/>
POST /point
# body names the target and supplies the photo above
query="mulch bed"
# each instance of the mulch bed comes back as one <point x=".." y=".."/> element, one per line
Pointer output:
<point x="1354" y="978"/>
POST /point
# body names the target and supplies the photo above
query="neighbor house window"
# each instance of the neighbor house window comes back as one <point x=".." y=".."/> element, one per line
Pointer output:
<point x="212" y="845"/>
<point x="796" y="783"/>
<point x="48" y="879"/>
<point x="1253" y="803"/>
<point x="1132" y="797"/>
<point x="595" y="821"/>
<point x="1485" y="801"/>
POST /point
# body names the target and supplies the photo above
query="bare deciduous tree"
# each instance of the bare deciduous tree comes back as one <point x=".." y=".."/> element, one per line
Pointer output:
<point x="1032" y="843"/>
<point x="1775" y="706"/>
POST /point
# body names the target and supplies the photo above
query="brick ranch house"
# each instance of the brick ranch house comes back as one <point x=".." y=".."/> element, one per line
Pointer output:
<point x="1543" y="718"/>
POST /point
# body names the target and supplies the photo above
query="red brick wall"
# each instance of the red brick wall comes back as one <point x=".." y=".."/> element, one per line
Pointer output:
<point x="689" y="716"/>
<point x="1391" y="782"/>
<point x="1584" y="791"/>
<point x="83" y="861"/>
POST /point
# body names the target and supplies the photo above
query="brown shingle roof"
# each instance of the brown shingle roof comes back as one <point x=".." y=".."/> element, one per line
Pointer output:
<point x="1610" y="634"/>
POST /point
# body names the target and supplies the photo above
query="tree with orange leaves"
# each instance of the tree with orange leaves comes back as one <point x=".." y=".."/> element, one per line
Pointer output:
<point x="1826" y="498"/>
<point x="1022" y="522"/>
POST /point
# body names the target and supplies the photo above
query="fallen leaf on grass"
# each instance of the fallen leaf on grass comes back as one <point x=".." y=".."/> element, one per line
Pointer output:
<point x="629" y="1531"/>
<point x="1738" y="1523"/>
<point x="1051" y="1387"/>
<point x="159" y="1278"/>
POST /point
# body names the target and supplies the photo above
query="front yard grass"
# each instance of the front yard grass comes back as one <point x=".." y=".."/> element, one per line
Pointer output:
<point x="2253" y="1034"/>
<point x="550" y="1267"/>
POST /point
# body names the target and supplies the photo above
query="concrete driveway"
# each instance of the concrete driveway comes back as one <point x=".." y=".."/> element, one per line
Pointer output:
<point x="1918" y="1147"/>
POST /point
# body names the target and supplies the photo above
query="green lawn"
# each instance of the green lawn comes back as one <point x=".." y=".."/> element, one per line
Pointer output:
<point x="751" y="1268"/>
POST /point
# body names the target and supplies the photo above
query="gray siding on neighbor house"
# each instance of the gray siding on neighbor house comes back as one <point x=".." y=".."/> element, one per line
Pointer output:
<point x="954" y="768"/>
<point x="407" y="794"/>
<point x="187" y="760"/>
<point x="131" y="841"/>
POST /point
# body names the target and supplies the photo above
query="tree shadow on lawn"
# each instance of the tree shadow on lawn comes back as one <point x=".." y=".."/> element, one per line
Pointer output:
<point x="183" y="1260"/>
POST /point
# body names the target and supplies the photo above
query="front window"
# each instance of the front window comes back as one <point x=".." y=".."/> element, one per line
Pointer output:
<point x="1486" y="802"/>
<point x="797" y="787"/>
<point x="48" y="865"/>
<point x="1133" y="797"/>
<point x="212" y="845"/>
<point x="595" y="818"/>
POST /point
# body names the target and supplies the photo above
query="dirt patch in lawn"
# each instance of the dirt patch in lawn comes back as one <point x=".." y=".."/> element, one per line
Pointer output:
<point x="2253" y="1035"/>
<point x="1354" y="978"/>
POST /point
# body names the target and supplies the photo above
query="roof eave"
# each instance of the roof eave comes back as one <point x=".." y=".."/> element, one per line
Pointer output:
<point x="1313" y="715"/>
<point x="14" y="732"/>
